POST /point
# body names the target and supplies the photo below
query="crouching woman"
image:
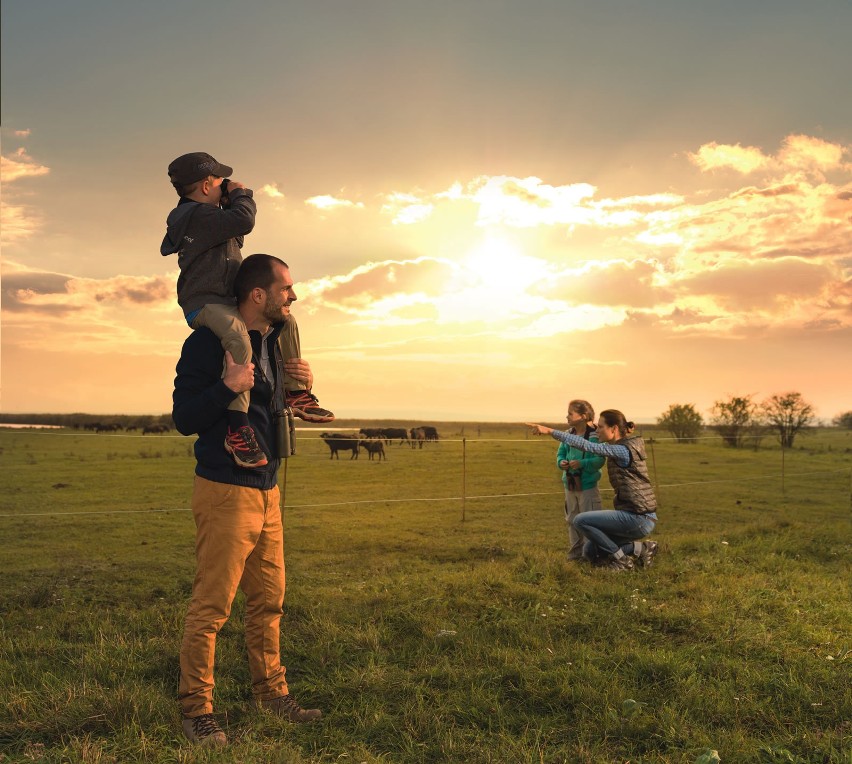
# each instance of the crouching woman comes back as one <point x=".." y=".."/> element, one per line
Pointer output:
<point x="613" y="535"/>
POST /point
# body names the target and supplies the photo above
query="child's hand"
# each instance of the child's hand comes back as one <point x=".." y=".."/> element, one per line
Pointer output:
<point x="563" y="465"/>
<point x="238" y="377"/>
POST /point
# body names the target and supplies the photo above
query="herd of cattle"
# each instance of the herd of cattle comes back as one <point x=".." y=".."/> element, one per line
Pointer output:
<point x="374" y="439"/>
<point x="370" y="439"/>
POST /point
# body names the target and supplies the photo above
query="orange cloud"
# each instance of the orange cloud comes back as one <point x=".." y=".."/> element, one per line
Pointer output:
<point x="271" y="190"/>
<point x="716" y="156"/>
<point x="18" y="222"/>
<point x="42" y="292"/>
<point x="617" y="282"/>
<point x="20" y="165"/>
<point x="798" y="153"/>
<point x="326" y="202"/>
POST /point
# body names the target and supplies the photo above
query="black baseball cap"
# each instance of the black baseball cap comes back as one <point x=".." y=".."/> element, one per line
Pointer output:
<point x="190" y="168"/>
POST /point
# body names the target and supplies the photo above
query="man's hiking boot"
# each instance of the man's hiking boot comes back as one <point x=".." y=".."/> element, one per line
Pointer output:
<point x="286" y="707"/>
<point x="204" y="730"/>
<point x="646" y="557"/>
<point x="305" y="405"/>
<point x="242" y="445"/>
<point x="619" y="563"/>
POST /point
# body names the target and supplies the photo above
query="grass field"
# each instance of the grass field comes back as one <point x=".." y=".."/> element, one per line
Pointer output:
<point x="432" y="631"/>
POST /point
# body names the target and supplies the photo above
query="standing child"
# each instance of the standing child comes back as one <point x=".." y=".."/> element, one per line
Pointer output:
<point x="581" y="472"/>
<point x="207" y="230"/>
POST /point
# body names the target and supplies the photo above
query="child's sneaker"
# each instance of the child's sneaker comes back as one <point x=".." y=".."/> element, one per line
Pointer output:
<point x="242" y="445"/>
<point x="305" y="405"/>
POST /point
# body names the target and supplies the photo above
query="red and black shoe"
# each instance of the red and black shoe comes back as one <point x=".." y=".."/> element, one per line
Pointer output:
<point x="242" y="445"/>
<point x="306" y="406"/>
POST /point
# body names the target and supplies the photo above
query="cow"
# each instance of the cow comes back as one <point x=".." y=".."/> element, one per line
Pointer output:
<point x="339" y="442"/>
<point x="373" y="447"/>
<point x="371" y="432"/>
<point x="431" y="432"/>
<point x="392" y="433"/>
<point x="418" y="436"/>
<point x="154" y="429"/>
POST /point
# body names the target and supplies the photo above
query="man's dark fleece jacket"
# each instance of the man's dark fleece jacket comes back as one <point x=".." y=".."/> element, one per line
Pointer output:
<point x="200" y="406"/>
<point x="208" y="240"/>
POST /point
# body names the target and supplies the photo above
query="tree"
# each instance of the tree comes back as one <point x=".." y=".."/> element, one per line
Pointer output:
<point x="843" y="420"/>
<point x="787" y="414"/>
<point x="683" y="421"/>
<point x="737" y="420"/>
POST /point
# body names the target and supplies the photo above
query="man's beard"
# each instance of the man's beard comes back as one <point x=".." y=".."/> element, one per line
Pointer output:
<point x="274" y="312"/>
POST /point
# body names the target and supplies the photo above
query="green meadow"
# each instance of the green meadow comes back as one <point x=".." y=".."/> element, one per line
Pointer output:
<point x="430" y="611"/>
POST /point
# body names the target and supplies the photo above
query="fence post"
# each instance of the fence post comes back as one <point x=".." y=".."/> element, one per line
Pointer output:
<point x="783" y="491"/>
<point x="464" y="475"/>
<point x="654" y="466"/>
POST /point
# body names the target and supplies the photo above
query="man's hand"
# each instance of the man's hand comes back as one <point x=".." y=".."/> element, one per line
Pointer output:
<point x="238" y="377"/>
<point x="232" y="184"/>
<point x="300" y="370"/>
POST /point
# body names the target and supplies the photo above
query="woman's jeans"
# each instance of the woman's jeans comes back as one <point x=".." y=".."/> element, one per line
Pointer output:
<point x="609" y="530"/>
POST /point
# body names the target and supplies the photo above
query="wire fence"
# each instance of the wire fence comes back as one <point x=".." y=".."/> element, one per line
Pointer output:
<point x="779" y="478"/>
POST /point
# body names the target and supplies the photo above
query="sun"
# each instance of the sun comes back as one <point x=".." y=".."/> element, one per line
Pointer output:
<point x="498" y="261"/>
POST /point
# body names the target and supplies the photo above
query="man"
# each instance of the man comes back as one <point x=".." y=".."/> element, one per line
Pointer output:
<point x="239" y="532"/>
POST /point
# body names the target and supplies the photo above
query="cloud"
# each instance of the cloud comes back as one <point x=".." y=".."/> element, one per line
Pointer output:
<point x="744" y="286"/>
<point x="20" y="165"/>
<point x="271" y="190"/>
<point x="17" y="223"/>
<point x="803" y="152"/>
<point x="408" y="208"/>
<point x="797" y="153"/>
<point x="616" y="282"/>
<point x="327" y="203"/>
<point x="716" y="156"/>
<point x="57" y="294"/>
<point x="387" y="286"/>
<point x="529" y="202"/>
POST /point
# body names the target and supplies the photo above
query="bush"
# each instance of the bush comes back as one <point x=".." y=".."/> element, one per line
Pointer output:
<point x="683" y="421"/>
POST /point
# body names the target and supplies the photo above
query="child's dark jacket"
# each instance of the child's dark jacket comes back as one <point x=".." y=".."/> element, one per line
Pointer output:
<point x="207" y="240"/>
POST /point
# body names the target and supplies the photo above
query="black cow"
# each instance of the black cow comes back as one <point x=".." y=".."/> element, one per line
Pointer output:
<point x="154" y="429"/>
<point x="431" y="432"/>
<point x="373" y="447"/>
<point x="392" y="433"/>
<point x="371" y="432"/>
<point x="338" y="442"/>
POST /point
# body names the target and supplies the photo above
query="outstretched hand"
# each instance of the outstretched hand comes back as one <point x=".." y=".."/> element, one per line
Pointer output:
<point x="238" y="377"/>
<point x="539" y="429"/>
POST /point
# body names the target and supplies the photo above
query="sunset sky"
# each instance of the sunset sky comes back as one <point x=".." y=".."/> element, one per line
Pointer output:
<point x="489" y="207"/>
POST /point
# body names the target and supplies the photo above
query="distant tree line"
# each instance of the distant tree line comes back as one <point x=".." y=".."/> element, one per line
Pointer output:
<point x="741" y="421"/>
<point x="93" y="421"/>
